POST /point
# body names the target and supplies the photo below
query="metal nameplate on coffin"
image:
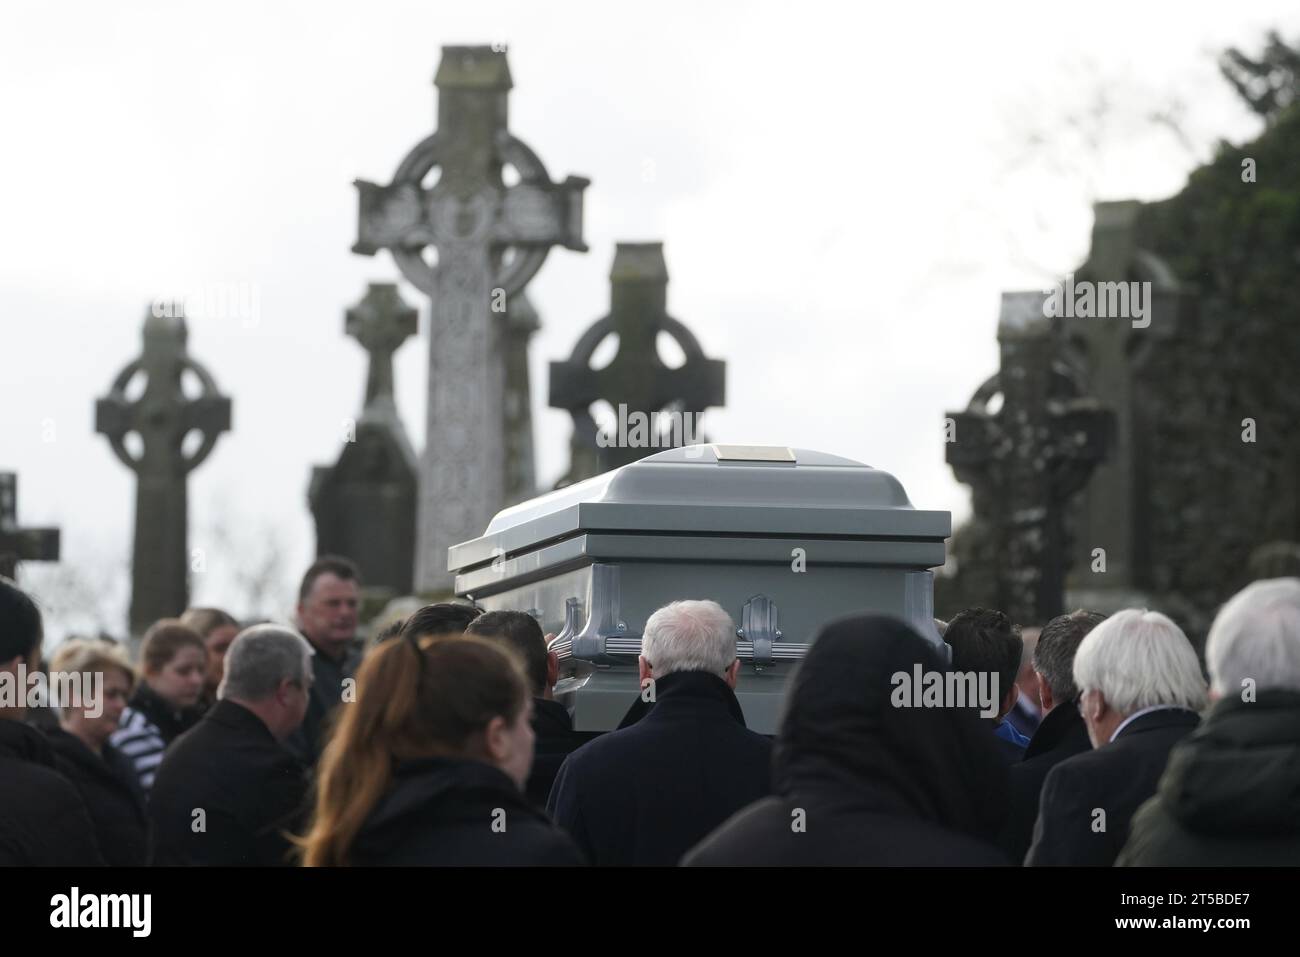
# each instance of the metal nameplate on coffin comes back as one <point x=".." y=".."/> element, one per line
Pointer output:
<point x="753" y="453"/>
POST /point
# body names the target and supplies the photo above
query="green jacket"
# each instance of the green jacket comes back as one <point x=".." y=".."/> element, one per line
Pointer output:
<point x="1230" y="795"/>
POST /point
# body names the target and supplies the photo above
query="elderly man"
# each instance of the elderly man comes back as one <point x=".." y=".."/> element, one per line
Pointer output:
<point x="227" y="790"/>
<point x="1140" y="690"/>
<point x="647" y="793"/>
<point x="1228" y="795"/>
<point x="328" y="602"/>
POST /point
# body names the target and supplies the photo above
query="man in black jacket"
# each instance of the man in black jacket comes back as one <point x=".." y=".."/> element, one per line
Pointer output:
<point x="1230" y="796"/>
<point x="227" y="790"/>
<point x="552" y="724"/>
<point x="328" y="602"/>
<point x="43" y="820"/>
<point x="1140" y="689"/>
<point x="647" y="793"/>
<point x="1061" y="734"/>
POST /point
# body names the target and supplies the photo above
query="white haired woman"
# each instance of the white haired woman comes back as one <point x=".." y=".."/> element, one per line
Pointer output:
<point x="1141" y="689"/>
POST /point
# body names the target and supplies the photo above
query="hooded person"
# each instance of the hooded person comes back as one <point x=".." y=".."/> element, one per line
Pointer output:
<point x="859" y="779"/>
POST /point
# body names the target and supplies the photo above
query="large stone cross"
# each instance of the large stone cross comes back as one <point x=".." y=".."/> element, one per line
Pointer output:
<point x="1113" y="353"/>
<point x="21" y="544"/>
<point x="161" y="417"/>
<point x="637" y="378"/>
<point x="1027" y="458"/>
<point x="450" y="239"/>
<point x="381" y="322"/>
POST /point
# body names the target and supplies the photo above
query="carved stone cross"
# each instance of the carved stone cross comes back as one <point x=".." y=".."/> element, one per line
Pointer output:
<point x="637" y="378"/>
<point x="21" y="544"/>
<point x="450" y="239"/>
<point x="381" y="322"/>
<point x="161" y="418"/>
<point x="1027" y="458"/>
<point x="1112" y="355"/>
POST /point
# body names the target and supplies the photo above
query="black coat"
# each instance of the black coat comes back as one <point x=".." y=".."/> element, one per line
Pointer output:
<point x="555" y="741"/>
<point x="1115" y="778"/>
<point x="328" y="675"/>
<point x="859" y="781"/>
<point x="451" y="813"/>
<point x="1061" y="735"/>
<point x="250" y="789"/>
<point x="112" y="793"/>
<point x="43" y="820"/>
<point x="646" y="793"/>
<point x="1230" y="795"/>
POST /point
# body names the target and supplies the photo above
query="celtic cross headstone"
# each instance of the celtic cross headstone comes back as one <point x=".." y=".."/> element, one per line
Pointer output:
<point x="470" y="242"/>
<point x="637" y="382"/>
<point x="160" y="419"/>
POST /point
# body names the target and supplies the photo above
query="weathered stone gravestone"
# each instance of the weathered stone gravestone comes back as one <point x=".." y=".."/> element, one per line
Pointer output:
<point x="657" y="407"/>
<point x="173" y="433"/>
<point x="471" y="243"/>
<point x="364" y="504"/>
<point x="1115" y="357"/>
<point x="1024" y="460"/>
<point x="19" y="544"/>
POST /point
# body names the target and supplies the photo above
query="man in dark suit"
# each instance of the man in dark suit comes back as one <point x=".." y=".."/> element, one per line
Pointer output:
<point x="1140" y="690"/>
<point x="1061" y="734"/>
<point x="647" y="793"/>
<point x="552" y="725"/>
<point x="227" y="791"/>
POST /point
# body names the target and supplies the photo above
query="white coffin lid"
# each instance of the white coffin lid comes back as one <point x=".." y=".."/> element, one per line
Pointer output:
<point x="744" y="490"/>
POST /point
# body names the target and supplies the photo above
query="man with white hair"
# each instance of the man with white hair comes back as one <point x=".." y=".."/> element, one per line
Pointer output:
<point x="1230" y="796"/>
<point x="227" y="790"/>
<point x="1140" y="691"/>
<point x="647" y="793"/>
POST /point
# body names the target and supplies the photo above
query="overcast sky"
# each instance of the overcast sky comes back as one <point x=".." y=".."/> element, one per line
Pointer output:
<point x="843" y="191"/>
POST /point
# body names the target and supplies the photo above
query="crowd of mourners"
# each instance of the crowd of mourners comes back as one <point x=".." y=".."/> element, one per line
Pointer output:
<point x="440" y="741"/>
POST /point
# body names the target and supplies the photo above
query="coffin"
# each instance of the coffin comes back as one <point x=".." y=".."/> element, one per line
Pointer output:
<point x="784" y="539"/>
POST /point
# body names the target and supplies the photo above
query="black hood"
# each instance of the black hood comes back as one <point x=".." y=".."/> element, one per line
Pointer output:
<point x="841" y="735"/>
<point x="1238" y="774"/>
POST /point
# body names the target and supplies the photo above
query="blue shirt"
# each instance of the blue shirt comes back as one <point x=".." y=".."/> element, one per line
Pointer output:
<point x="1007" y="732"/>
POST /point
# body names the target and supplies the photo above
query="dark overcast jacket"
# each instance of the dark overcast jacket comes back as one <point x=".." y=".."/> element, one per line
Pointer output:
<point x="646" y="793"/>
<point x="43" y="820"/>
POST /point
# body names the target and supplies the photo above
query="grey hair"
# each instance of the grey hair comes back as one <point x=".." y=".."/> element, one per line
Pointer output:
<point x="1256" y="636"/>
<point x="1140" y="659"/>
<point x="689" y="636"/>
<point x="260" y="658"/>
